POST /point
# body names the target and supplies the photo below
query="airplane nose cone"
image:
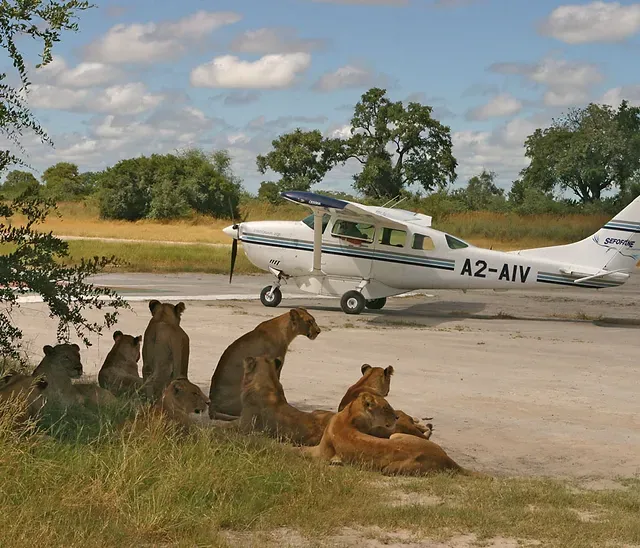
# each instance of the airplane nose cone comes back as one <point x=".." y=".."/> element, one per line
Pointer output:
<point x="231" y="232"/>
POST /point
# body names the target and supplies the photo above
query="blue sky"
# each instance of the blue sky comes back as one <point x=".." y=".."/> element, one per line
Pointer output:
<point x="156" y="76"/>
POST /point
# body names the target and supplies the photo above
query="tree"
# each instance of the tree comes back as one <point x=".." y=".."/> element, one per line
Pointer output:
<point x="166" y="186"/>
<point x="18" y="182"/>
<point x="588" y="150"/>
<point x="63" y="182"/>
<point x="269" y="192"/>
<point x="302" y="158"/>
<point x="32" y="259"/>
<point x="481" y="193"/>
<point x="398" y="146"/>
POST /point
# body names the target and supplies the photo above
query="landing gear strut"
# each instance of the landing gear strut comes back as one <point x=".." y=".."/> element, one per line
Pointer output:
<point x="271" y="296"/>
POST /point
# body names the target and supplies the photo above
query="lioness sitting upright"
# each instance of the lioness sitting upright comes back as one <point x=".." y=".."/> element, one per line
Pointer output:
<point x="165" y="352"/>
<point x="270" y="339"/>
<point x="265" y="407"/>
<point x="347" y="439"/>
<point x="377" y="380"/>
<point x="119" y="372"/>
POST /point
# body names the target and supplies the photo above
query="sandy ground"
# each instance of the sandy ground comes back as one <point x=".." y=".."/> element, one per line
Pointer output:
<point x="540" y="383"/>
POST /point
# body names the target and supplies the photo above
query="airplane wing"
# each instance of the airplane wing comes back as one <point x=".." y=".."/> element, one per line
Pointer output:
<point x="320" y="203"/>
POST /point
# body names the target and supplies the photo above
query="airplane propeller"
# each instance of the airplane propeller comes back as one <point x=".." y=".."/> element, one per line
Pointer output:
<point x="234" y="243"/>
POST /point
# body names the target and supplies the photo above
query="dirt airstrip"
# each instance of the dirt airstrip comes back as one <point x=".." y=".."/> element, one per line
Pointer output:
<point x="542" y="383"/>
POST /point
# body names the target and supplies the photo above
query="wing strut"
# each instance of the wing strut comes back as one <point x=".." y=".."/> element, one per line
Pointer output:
<point x="318" y="214"/>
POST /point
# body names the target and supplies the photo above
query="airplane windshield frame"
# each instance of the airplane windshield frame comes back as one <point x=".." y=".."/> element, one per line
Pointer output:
<point x="455" y="243"/>
<point x="309" y="221"/>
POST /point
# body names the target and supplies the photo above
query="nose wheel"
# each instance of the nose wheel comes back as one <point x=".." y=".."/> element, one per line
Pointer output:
<point x="270" y="296"/>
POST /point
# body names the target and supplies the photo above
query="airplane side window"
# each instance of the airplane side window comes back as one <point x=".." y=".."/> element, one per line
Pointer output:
<point x="422" y="242"/>
<point x="348" y="229"/>
<point x="309" y="221"/>
<point x="392" y="237"/>
<point x="454" y="243"/>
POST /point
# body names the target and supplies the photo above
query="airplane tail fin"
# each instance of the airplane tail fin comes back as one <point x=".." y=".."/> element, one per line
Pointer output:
<point x="616" y="246"/>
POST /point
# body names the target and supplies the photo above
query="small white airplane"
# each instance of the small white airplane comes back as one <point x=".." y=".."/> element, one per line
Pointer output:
<point x="367" y="253"/>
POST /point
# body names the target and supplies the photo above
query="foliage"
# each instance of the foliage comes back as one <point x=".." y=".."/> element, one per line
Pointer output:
<point x="482" y="194"/>
<point x="64" y="182"/>
<point x="31" y="264"/>
<point x="588" y="150"/>
<point x="421" y="146"/>
<point x="269" y="192"/>
<point x="169" y="186"/>
<point x="18" y="181"/>
<point x="302" y="158"/>
<point x="42" y="20"/>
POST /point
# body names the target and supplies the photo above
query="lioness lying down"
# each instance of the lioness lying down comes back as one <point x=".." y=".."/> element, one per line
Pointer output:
<point x="27" y="393"/>
<point x="377" y="380"/>
<point x="265" y="408"/>
<point x="347" y="439"/>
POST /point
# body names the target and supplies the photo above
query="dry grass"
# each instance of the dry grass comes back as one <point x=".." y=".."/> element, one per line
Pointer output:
<point x="93" y="483"/>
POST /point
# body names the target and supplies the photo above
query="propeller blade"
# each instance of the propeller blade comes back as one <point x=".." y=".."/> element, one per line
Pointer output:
<point x="234" y="253"/>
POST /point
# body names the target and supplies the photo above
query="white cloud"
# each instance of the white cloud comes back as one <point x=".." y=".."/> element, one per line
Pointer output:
<point x="151" y="42"/>
<point x="83" y="75"/>
<point x="273" y="40"/>
<point x="500" y="105"/>
<point x="567" y="82"/>
<point x="269" y="72"/>
<point x="348" y="76"/>
<point x="615" y="96"/>
<point x="131" y="98"/>
<point x="340" y="132"/>
<point x="594" y="22"/>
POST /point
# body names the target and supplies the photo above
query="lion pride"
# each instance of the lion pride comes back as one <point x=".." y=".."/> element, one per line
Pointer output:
<point x="270" y="339"/>
<point x="347" y="439"/>
<point x="377" y="380"/>
<point x="265" y="407"/>
<point x="165" y="352"/>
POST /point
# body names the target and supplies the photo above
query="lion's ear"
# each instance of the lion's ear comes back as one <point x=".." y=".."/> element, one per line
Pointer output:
<point x="365" y="367"/>
<point x="117" y="335"/>
<point x="75" y="347"/>
<point x="137" y="340"/>
<point x="177" y="388"/>
<point x="179" y="309"/>
<point x="279" y="361"/>
<point x="42" y="382"/>
<point x="47" y="349"/>
<point x="388" y="371"/>
<point x="367" y="399"/>
<point x="153" y="305"/>
<point x="249" y="364"/>
<point x="295" y="315"/>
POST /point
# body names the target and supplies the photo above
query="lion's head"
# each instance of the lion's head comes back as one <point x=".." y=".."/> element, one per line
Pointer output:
<point x="373" y="412"/>
<point x="166" y="312"/>
<point x="184" y="396"/>
<point x="128" y="345"/>
<point x="376" y="380"/>
<point x="261" y="376"/>
<point x="65" y="357"/>
<point x="304" y="323"/>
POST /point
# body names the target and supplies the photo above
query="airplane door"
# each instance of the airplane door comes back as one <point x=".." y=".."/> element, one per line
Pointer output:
<point x="347" y="249"/>
<point x="390" y="244"/>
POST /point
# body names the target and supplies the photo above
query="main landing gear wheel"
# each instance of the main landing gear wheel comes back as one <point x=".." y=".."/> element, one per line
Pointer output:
<point x="352" y="302"/>
<point x="272" y="300"/>
<point x="376" y="304"/>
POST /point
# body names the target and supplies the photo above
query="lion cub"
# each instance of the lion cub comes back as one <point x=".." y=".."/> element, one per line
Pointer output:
<point x="347" y="439"/>
<point x="119" y="372"/>
<point x="377" y="380"/>
<point x="265" y="407"/>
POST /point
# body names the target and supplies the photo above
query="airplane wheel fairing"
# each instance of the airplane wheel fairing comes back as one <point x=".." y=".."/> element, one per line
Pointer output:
<point x="270" y="300"/>
<point x="352" y="302"/>
<point x="376" y="304"/>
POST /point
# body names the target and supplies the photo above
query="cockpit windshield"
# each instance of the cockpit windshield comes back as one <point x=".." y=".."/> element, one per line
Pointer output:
<point x="455" y="243"/>
<point x="309" y="221"/>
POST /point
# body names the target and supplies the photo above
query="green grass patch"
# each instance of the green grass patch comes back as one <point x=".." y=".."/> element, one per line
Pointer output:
<point x="91" y="482"/>
<point x="150" y="257"/>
